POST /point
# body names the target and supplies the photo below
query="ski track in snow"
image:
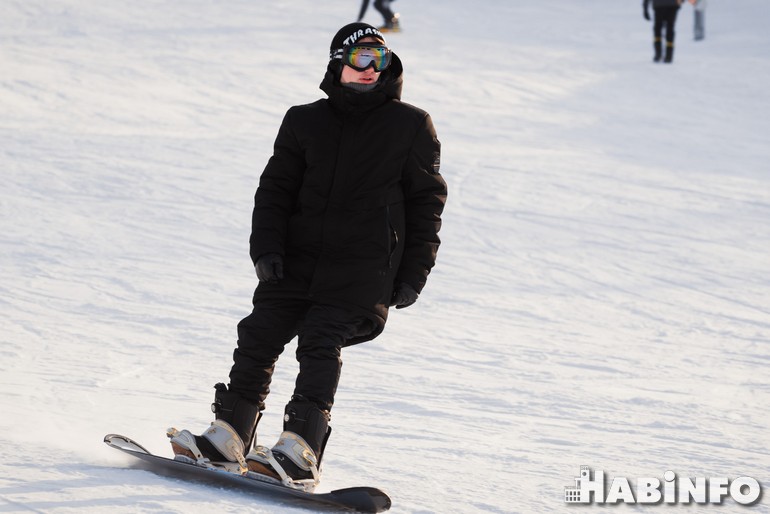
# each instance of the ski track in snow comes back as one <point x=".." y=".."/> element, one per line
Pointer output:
<point x="601" y="296"/>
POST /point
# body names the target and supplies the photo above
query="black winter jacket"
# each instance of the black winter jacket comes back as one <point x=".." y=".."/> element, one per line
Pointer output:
<point x="661" y="3"/>
<point x="351" y="198"/>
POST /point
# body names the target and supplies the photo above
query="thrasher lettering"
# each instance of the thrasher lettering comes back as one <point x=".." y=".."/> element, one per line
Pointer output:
<point x="361" y="33"/>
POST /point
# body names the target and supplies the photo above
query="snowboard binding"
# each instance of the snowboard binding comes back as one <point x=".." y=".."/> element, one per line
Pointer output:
<point x="221" y="436"/>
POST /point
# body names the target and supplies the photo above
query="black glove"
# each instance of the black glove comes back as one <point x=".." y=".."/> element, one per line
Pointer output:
<point x="403" y="296"/>
<point x="647" y="15"/>
<point x="270" y="268"/>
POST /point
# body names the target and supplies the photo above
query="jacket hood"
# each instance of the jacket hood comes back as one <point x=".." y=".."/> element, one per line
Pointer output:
<point x="350" y="101"/>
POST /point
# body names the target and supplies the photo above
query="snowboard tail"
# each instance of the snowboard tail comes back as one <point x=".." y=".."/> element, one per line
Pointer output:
<point x="360" y="499"/>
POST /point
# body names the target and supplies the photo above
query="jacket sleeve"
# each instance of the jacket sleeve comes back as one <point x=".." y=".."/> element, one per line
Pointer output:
<point x="425" y="193"/>
<point x="277" y="193"/>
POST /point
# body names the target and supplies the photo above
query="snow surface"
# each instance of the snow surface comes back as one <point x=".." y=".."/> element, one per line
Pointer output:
<point x="601" y="298"/>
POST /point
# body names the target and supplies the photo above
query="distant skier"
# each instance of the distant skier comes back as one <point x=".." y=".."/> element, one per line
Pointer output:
<point x="665" y="15"/>
<point x="700" y="12"/>
<point x="391" y="20"/>
<point x="345" y="225"/>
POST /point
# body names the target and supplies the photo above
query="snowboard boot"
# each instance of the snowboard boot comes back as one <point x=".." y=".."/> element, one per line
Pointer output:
<point x="392" y="25"/>
<point x="669" y="52"/>
<point x="227" y="440"/>
<point x="658" y="46"/>
<point x="295" y="460"/>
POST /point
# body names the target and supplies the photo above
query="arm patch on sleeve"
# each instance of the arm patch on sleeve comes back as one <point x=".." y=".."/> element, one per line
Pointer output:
<point x="436" y="162"/>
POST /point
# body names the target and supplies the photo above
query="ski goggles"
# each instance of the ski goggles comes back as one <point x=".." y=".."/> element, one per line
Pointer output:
<point x="360" y="57"/>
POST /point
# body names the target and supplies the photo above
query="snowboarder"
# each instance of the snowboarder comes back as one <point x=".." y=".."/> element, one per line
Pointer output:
<point x="665" y="14"/>
<point x="391" y="20"/>
<point x="345" y="225"/>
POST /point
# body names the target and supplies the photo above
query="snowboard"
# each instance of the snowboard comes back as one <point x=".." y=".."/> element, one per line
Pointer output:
<point x="359" y="499"/>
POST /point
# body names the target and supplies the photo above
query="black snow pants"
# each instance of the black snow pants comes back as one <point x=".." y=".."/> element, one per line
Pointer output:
<point x="322" y="332"/>
<point x="383" y="6"/>
<point x="665" y="16"/>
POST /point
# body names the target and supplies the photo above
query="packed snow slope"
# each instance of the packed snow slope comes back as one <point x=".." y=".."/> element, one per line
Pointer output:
<point x="601" y="297"/>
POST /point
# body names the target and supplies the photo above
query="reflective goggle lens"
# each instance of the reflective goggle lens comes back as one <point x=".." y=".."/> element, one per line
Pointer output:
<point x="360" y="57"/>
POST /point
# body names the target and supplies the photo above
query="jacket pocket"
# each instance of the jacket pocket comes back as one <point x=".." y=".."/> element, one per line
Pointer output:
<point x="392" y="236"/>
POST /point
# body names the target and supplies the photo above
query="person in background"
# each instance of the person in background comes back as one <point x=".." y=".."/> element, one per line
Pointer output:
<point x="345" y="225"/>
<point x="700" y="28"/>
<point x="665" y="16"/>
<point x="392" y="21"/>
